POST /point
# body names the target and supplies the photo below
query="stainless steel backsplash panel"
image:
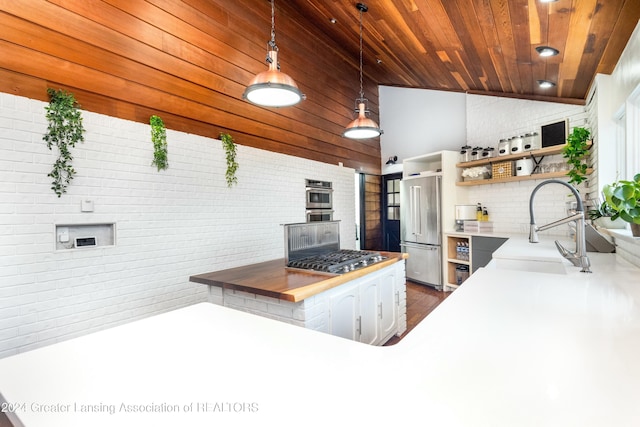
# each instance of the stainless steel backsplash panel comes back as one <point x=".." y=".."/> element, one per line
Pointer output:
<point x="310" y="238"/>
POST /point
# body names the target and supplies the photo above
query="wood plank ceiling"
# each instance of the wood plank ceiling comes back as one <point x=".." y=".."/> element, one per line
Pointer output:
<point x="482" y="46"/>
<point x="189" y="61"/>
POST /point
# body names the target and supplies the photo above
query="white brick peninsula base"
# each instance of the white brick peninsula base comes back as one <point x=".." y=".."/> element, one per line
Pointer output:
<point x="370" y="309"/>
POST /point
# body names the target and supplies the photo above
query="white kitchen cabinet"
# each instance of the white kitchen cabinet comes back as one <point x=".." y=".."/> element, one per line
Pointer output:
<point x="367" y="309"/>
<point x="344" y="312"/>
<point x="389" y="305"/>
<point x="369" y="312"/>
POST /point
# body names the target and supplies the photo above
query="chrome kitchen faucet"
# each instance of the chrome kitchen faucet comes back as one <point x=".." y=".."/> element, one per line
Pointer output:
<point x="578" y="258"/>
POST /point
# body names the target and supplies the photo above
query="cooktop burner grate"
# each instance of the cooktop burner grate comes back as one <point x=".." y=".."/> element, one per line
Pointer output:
<point x="337" y="262"/>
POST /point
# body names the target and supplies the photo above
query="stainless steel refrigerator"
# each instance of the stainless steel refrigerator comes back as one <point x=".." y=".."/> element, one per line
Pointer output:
<point x="421" y="230"/>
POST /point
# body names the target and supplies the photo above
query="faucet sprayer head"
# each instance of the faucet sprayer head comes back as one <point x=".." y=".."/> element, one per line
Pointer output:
<point x="533" y="234"/>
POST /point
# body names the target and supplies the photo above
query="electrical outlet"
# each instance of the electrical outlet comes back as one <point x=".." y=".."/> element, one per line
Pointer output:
<point x="63" y="235"/>
<point x="86" y="206"/>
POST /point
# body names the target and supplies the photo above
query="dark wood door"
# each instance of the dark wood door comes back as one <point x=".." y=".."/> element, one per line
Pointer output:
<point x="370" y="212"/>
<point x="391" y="212"/>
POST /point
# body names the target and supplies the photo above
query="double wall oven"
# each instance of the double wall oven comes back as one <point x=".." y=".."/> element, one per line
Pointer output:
<point x="319" y="200"/>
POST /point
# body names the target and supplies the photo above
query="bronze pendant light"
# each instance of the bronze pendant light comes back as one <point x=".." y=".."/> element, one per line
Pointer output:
<point x="273" y="88"/>
<point x="362" y="127"/>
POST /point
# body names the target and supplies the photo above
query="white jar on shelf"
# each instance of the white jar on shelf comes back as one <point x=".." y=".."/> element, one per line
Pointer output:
<point x="488" y="152"/>
<point x="516" y="145"/>
<point x="503" y="147"/>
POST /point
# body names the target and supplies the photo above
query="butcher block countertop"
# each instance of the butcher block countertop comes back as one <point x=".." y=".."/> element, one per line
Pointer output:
<point x="273" y="279"/>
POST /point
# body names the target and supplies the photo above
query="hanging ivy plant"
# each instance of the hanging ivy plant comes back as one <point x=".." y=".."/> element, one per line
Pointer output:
<point x="159" y="139"/>
<point x="64" y="130"/>
<point x="577" y="153"/>
<point x="232" y="166"/>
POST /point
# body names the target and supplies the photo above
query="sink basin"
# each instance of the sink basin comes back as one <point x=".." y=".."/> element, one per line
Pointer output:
<point x="543" y="257"/>
<point x="537" y="266"/>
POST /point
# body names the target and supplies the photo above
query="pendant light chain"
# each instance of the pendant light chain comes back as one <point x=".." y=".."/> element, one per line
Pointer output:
<point x="271" y="44"/>
<point x="273" y="22"/>
<point x="361" y="86"/>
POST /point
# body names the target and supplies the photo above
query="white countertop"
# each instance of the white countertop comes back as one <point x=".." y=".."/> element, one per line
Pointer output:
<point x="508" y="348"/>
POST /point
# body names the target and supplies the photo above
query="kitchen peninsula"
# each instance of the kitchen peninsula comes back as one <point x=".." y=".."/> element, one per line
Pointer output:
<point x="507" y="348"/>
<point x="367" y="305"/>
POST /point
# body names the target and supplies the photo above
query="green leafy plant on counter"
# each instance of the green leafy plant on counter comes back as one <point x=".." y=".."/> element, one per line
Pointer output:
<point x="624" y="198"/>
<point x="602" y="216"/>
<point x="603" y="210"/>
<point x="576" y="151"/>
<point x="232" y="165"/>
<point x="64" y="130"/>
<point x="159" y="139"/>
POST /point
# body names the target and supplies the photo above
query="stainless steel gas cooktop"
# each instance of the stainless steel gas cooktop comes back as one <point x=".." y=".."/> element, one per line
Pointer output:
<point x="337" y="262"/>
<point x="315" y="247"/>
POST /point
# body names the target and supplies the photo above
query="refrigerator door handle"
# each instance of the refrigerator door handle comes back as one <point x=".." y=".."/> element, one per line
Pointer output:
<point x="438" y="212"/>
<point x="416" y="223"/>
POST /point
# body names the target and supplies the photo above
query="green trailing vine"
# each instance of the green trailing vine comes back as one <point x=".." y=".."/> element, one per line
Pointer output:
<point x="64" y="130"/>
<point x="232" y="166"/>
<point x="159" y="139"/>
<point x="577" y="152"/>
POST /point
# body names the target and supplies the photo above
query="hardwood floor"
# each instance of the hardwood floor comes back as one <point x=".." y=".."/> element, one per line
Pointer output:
<point x="421" y="300"/>
<point x="4" y="421"/>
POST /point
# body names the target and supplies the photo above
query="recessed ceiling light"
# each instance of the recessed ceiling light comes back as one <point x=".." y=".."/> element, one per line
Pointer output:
<point x="333" y="20"/>
<point x="545" y="84"/>
<point x="548" y="1"/>
<point x="547" y="51"/>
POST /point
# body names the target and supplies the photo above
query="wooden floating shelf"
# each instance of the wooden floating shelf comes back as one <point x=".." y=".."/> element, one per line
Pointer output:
<point x="561" y="174"/>
<point x="547" y="151"/>
<point x="458" y="261"/>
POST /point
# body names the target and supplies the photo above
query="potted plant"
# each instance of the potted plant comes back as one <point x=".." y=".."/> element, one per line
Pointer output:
<point x="576" y="151"/>
<point x="623" y="197"/>
<point x="601" y="216"/>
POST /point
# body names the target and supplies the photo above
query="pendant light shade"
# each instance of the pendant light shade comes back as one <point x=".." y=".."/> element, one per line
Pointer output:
<point x="362" y="127"/>
<point x="273" y="88"/>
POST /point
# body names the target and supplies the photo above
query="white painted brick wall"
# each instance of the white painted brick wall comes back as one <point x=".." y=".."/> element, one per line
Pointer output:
<point x="491" y="118"/>
<point x="592" y="185"/>
<point x="170" y="224"/>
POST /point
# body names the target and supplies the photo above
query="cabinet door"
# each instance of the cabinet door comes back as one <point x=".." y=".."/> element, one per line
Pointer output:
<point x="388" y="305"/>
<point x="370" y="312"/>
<point x="344" y="313"/>
<point x="482" y="249"/>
